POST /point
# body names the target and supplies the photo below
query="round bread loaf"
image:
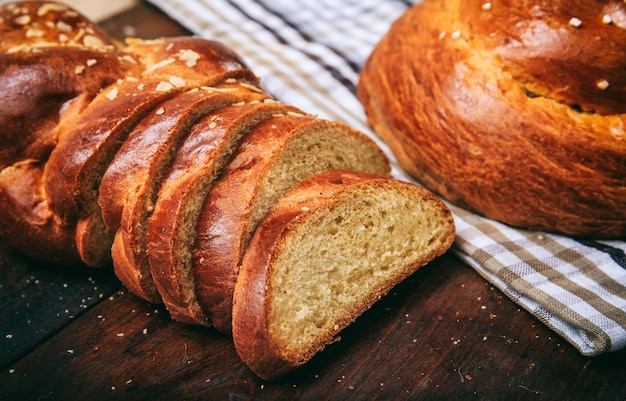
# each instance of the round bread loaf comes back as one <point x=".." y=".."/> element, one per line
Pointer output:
<point x="514" y="110"/>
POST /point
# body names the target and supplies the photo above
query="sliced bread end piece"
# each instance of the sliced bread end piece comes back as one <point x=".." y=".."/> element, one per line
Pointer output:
<point x="329" y="249"/>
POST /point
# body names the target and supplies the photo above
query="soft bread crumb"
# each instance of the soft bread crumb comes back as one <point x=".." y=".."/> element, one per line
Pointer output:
<point x="338" y="261"/>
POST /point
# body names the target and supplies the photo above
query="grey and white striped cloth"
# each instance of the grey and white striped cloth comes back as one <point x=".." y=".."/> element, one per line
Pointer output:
<point x="309" y="53"/>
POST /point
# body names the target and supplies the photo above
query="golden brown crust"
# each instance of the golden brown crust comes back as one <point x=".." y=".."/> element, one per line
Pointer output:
<point x="38" y="87"/>
<point x="254" y="334"/>
<point x="495" y="111"/>
<point x="52" y="61"/>
<point x="134" y="279"/>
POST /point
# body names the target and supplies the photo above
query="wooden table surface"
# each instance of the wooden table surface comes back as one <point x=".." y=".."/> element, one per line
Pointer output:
<point x="443" y="334"/>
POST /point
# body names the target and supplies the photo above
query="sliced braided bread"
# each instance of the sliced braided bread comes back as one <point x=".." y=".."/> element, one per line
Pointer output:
<point x="88" y="143"/>
<point x="130" y="185"/>
<point x="164" y="157"/>
<point x="172" y="227"/>
<point x="278" y="154"/>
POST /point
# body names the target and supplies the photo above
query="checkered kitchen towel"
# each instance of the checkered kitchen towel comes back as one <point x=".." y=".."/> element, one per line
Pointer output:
<point x="309" y="53"/>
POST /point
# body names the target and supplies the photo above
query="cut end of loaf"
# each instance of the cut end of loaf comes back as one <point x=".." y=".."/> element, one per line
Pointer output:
<point x="326" y="253"/>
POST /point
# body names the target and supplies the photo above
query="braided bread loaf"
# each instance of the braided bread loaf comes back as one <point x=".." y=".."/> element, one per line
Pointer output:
<point x="516" y="110"/>
<point x="162" y="157"/>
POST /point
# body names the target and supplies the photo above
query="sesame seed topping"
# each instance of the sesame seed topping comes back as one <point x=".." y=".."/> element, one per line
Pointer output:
<point x="112" y="94"/>
<point x="34" y="33"/>
<point x="177" y="81"/>
<point x="79" y="35"/>
<point x="160" y="111"/>
<point x="164" y="86"/>
<point x="214" y="89"/>
<point x="190" y="57"/>
<point x="252" y="87"/>
<point x="63" y="26"/>
<point x="212" y="125"/>
<point x="160" y="64"/>
<point x="23" y="20"/>
<point x="128" y="57"/>
<point x="44" y="9"/>
<point x="606" y="19"/>
<point x="91" y="62"/>
<point x="456" y="34"/>
<point x="230" y="80"/>
<point x="442" y="35"/>
<point x="486" y="6"/>
<point x="79" y="69"/>
<point x="92" y="41"/>
<point x="603" y="84"/>
<point x="575" y="22"/>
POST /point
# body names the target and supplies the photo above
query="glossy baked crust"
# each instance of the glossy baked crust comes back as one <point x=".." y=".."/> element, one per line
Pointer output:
<point x="513" y="109"/>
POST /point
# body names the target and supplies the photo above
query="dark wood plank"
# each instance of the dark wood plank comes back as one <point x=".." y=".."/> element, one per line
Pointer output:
<point x="443" y="334"/>
<point x="37" y="300"/>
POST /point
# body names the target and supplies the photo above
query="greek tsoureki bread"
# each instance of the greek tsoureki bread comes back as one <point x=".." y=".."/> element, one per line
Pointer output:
<point x="516" y="110"/>
<point x="161" y="157"/>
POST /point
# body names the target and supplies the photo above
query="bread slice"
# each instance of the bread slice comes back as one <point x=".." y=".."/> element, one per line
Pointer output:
<point x="327" y="252"/>
<point x="130" y="186"/>
<point x="88" y="143"/>
<point x="277" y="155"/>
<point x="172" y="226"/>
